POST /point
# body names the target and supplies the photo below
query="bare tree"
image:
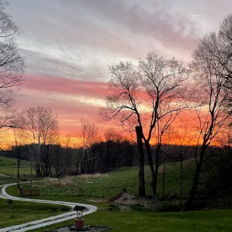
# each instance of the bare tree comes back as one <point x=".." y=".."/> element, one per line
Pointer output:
<point x="144" y="96"/>
<point x="11" y="66"/>
<point x="111" y="135"/>
<point x="41" y="126"/>
<point x="123" y="103"/>
<point x="18" y="141"/>
<point x="224" y="139"/>
<point x="212" y="98"/>
<point x="223" y="56"/>
<point x="217" y="49"/>
<point x="89" y="133"/>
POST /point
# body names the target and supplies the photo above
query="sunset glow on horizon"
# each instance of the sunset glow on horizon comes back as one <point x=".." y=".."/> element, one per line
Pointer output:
<point x="68" y="47"/>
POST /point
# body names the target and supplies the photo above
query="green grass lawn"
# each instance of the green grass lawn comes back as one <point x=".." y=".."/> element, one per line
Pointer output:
<point x="201" y="221"/>
<point x="110" y="184"/>
<point x="81" y="189"/>
<point x="8" y="170"/>
<point x="19" y="212"/>
<point x="102" y="186"/>
<point x="136" y="221"/>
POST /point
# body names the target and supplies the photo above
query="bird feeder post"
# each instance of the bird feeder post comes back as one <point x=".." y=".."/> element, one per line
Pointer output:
<point x="79" y="222"/>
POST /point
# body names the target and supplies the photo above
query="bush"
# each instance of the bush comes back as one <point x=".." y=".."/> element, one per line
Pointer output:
<point x="218" y="176"/>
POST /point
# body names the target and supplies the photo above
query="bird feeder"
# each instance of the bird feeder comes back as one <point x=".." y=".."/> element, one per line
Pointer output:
<point x="79" y="221"/>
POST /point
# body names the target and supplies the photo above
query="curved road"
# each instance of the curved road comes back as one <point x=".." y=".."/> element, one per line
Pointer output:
<point x="46" y="221"/>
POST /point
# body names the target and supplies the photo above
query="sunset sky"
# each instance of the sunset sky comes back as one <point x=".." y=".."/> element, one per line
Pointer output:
<point x="67" y="46"/>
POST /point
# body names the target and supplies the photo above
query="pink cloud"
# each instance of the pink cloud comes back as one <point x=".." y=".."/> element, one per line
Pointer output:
<point x="59" y="95"/>
<point x="66" y="86"/>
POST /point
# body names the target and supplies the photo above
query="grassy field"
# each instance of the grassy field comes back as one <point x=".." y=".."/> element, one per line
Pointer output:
<point x="19" y="212"/>
<point x="110" y="184"/>
<point x="136" y="221"/>
<point x="8" y="170"/>
<point x="201" y="221"/>
<point x="83" y="188"/>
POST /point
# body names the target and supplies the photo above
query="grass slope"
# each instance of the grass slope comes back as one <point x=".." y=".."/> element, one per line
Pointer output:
<point x="135" y="221"/>
<point x="80" y="189"/>
<point x="201" y="221"/>
<point x="113" y="183"/>
<point x="20" y="212"/>
<point x="8" y="169"/>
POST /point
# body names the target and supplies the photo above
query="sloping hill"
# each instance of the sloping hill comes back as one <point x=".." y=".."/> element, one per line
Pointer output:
<point x="8" y="169"/>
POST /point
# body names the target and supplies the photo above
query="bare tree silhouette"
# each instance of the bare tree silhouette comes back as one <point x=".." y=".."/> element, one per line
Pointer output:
<point x="211" y="99"/>
<point x="11" y="66"/>
<point x="143" y="96"/>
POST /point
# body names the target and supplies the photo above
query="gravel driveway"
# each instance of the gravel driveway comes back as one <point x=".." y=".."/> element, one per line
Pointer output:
<point x="46" y="221"/>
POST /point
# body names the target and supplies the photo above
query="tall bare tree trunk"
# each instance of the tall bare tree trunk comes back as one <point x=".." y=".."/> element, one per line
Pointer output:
<point x="181" y="179"/>
<point x="157" y="153"/>
<point x="163" y="179"/>
<point x="18" y="169"/>
<point x="153" y="172"/>
<point x="196" y="177"/>
<point x="142" y="192"/>
<point x="31" y="173"/>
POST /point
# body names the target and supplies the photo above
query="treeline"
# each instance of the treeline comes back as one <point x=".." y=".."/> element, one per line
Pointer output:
<point x="55" y="161"/>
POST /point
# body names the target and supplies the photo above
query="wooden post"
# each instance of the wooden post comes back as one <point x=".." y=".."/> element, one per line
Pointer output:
<point x="138" y="130"/>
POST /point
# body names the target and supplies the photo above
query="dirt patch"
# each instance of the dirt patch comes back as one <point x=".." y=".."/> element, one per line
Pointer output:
<point x="61" y="182"/>
<point x="92" y="176"/>
<point x="125" y="199"/>
<point x="68" y="180"/>
<point x="125" y="202"/>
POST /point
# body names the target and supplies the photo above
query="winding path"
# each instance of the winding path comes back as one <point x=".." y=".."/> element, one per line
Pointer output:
<point x="46" y="221"/>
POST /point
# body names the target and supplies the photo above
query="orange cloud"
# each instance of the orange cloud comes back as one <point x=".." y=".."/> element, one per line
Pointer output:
<point x="73" y="100"/>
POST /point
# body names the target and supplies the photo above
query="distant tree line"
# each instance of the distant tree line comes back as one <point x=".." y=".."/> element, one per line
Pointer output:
<point x="58" y="161"/>
<point x="101" y="157"/>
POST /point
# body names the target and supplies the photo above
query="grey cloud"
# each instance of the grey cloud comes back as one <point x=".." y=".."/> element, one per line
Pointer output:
<point x="170" y="29"/>
<point x="112" y="25"/>
<point x="38" y="64"/>
<point x="115" y="28"/>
